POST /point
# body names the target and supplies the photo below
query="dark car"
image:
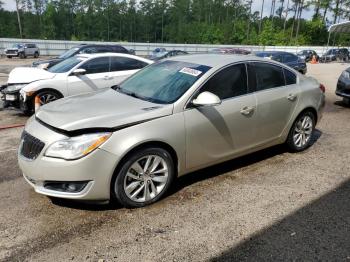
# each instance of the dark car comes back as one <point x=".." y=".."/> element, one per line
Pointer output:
<point x="343" y="86"/>
<point x="307" y="55"/>
<point x="81" y="49"/>
<point x="229" y="50"/>
<point x="335" y="54"/>
<point x="161" y="53"/>
<point x="286" y="58"/>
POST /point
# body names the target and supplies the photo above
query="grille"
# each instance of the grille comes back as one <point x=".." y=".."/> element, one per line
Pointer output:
<point x="11" y="52"/>
<point x="31" y="146"/>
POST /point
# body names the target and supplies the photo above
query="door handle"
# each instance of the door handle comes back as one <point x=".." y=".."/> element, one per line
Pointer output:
<point x="247" y="110"/>
<point x="291" y="97"/>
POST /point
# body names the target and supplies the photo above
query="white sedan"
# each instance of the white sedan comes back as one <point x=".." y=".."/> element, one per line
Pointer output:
<point x="76" y="75"/>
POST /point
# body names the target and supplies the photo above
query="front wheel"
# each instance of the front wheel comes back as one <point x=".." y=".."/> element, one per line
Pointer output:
<point x="9" y="56"/>
<point x="36" y="55"/>
<point x="22" y="55"/>
<point x="144" y="177"/>
<point x="47" y="96"/>
<point x="300" y="135"/>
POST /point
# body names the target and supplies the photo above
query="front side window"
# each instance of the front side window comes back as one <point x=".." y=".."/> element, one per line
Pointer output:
<point x="125" y="63"/>
<point x="268" y="76"/>
<point x="229" y="82"/>
<point x="65" y="65"/>
<point x="96" y="65"/>
<point x="164" y="82"/>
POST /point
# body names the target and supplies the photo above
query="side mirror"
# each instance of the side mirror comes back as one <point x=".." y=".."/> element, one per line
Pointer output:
<point x="206" y="99"/>
<point x="78" y="72"/>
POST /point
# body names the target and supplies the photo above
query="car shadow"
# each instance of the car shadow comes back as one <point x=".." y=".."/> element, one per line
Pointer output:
<point x="191" y="178"/>
<point x="342" y="104"/>
<point x="319" y="231"/>
<point x="232" y="165"/>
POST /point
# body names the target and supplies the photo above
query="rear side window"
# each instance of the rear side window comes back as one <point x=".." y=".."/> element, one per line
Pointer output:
<point x="125" y="63"/>
<point x="119" y="49"/>
<point x="289" y="58"/>
<point x="96" y="65"/>
<point x="290" y="77"/>
<point x="268" y="76"/>
<point x="88" y="50"/>
<point x="229" y="82"/>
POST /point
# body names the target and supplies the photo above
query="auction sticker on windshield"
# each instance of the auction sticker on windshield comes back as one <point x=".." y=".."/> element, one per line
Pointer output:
<point x="190" y="71"/>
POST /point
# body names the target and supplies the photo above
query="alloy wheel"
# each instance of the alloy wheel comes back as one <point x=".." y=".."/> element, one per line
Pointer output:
<point x="303" y="131"/>
<point x="47" y="98"/>
<point x="146" y="178"/>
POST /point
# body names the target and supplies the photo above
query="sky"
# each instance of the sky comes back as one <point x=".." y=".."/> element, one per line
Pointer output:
<point x="11" y="5"/>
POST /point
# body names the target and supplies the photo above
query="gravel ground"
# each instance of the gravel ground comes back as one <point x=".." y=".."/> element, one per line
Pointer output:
<point x="268" y="206"/>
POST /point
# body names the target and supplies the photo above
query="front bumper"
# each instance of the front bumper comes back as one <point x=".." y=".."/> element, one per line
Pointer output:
<point x="343" y="87"/>
<point x="15" y="99"/>
<point x="97" y="168"/>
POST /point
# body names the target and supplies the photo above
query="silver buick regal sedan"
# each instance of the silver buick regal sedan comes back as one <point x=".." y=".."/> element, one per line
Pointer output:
<point x="131" y="141"/>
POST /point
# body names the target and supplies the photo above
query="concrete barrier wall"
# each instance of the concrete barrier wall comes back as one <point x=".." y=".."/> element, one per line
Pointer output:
<point x="56" y="47"/>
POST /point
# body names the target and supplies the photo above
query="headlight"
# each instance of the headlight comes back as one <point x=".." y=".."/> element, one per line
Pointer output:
<point x="76" y="147"/>
<point x="345" y="74"/>
<point x="43" y="66"/>
<point x="12" y="88"/>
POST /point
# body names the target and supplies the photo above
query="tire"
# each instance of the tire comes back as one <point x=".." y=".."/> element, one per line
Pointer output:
<point x="9" y="57"/>
<point x="22" y="55"/>
<point x="140" y="182"/>
<point x="301" y="131"/>
<point x="47" y="96"/>
<point x="36" y="55"/>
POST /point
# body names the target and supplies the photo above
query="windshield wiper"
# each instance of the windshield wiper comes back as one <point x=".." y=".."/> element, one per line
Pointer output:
<point x="121" y="90"/>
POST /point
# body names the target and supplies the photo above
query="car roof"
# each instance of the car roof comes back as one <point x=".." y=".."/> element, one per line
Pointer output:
<point x="274" y="52"/>
<point x="88" y="56"/>
<point x="94" y="45"/>
<point x="216" y="60"/>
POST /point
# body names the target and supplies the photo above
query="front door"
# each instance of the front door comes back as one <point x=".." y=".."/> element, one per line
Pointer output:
<point x="214" y="133"/>
<point x="97" y="76"/>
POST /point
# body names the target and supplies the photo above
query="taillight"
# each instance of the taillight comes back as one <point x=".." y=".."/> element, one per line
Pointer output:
<point x="323" y="89"/>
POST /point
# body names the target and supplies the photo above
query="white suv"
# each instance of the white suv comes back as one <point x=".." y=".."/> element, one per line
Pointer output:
<point x="76" y="75"/>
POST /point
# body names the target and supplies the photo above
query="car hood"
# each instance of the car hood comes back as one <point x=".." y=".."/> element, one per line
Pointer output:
<point x="25" y="75"/>
<point x="104" y="109"/>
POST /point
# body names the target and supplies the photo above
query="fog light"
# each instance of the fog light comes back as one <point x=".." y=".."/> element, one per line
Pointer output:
<point x="68" y="187"/>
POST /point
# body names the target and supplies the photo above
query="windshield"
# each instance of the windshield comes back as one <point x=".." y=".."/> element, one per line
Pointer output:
<point x="17" y="46"/>
<point x="65" y="65"/>
<point x="332" y="51"/>
<point x="69" y="53"/>
<point x="164" y="82"/>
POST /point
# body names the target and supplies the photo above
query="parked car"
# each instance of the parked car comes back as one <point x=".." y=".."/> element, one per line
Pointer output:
<point x="229" y="50"/>
<point x="22" y="51"/>
<point x="79" y="74"/>
<point x="286" y="58"/>
<point x="307" y="55"/>
<point x="131" y="141"/>
<point x="343" y="86"/>
<point x="81" y="49"/>
<point x="335" y="54"/>
<point x="157" y="53"/>
<point x="167" y="54"/>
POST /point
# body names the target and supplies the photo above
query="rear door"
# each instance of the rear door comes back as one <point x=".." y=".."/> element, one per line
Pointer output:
<point x="97" y="76"/>
<point x="214" y="133"/>
<point x="277" y="96"/>
<point x="123" y="67"/>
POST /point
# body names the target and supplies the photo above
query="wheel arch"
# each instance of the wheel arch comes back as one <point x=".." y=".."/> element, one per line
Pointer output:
<point x="155" y="143"/>
<point x="158" y="144"/>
